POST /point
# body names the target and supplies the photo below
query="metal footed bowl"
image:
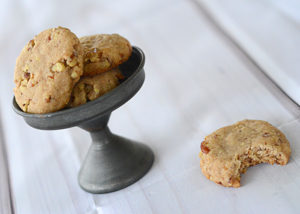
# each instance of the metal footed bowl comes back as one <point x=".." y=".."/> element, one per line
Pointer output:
<point x="112" y="162"/>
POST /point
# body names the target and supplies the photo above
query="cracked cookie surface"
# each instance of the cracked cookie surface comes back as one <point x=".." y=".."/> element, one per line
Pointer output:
<point x="46" y="71"/>
<point x="103" y="52"/>
<point x="91" y="87"/>
<point x="229" y="151"/>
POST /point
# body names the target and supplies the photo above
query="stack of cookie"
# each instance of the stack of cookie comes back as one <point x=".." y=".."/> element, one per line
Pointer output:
<point x="57" y="70"/>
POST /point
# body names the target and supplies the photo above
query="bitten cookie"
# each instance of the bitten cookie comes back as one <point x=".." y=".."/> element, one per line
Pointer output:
<point x="47" y="70"/>
<point x="229" y="151"/>
<point x="103" y="52"/>
<point x="90" y="88"/>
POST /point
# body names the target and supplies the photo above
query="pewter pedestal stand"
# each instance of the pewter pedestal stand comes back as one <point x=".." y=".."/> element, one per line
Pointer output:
<point x="112" y="162"/>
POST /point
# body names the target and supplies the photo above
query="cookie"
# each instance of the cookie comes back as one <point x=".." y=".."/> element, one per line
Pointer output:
<point x="47" y="70"/>
<point x="229" y="151"/>
<point x="103" y="52"/>
<point x="91" y="87"/>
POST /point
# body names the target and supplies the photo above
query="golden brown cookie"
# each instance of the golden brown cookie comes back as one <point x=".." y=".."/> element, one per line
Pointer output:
<point x="103" y="52"/>
<point x="91" y="87"/>
<point x="47" y="70"/>
<point x="229" y="151"/>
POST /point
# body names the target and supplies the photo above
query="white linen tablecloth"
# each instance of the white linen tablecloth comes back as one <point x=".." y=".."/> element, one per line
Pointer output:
<point x="208" y="64"/>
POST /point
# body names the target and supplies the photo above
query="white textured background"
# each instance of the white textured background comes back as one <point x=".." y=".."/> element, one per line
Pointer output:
<point x="209" y="63"/>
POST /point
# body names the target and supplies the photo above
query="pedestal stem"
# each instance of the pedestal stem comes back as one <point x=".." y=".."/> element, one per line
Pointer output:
<point x="112" y="162"/>
<point x="101" y="137"/>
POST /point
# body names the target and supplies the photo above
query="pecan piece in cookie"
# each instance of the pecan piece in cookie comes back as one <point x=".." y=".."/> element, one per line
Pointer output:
<point x="204" y="148"/>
